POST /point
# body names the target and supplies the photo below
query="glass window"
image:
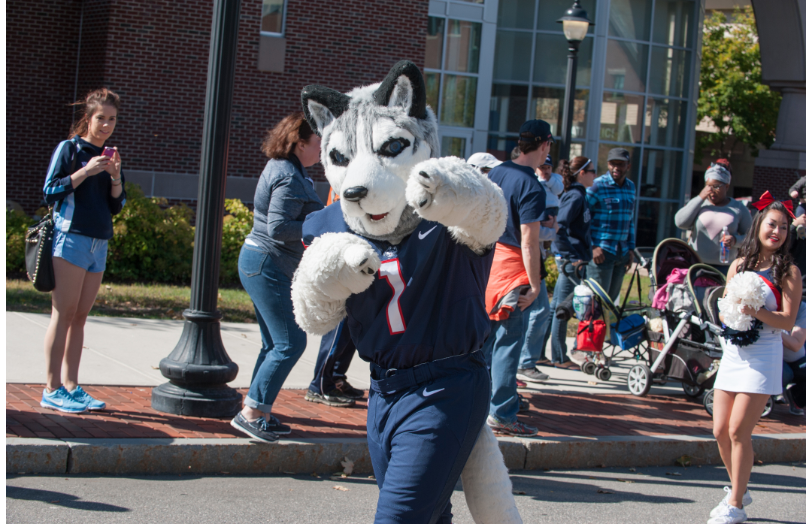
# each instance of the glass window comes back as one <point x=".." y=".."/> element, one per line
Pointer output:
<point x="669" y="71"/>
<point x="551" y="59"/>
<point x="453" y="146"/>
<point x="665" y="122"/>
<point x="433" y="42"/>
<point x="626" y="66"/>
<point x="663" y="171"/>
<point x="655" y="222"/>
<point x="508" y="107"/>
<point x="547" y="104"/>
<point x="462" y="49"/>
<point x="601" y="166"/>
<point x="674" y="23"/>
<point x="512" y="55"/>
<point x="432" y="91"/>
<point x="501" y="146"/>
<point x="621" y="118"/>
<point x="630" y="19"/>
<point x="458" y="107"/>
<point x="272" y="17"/>
<point x="549" y="11"/>
<point x="516" y="14"/>
<point x="471" y="1"/>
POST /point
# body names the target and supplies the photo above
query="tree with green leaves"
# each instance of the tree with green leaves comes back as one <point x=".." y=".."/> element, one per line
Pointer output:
<point x="731" y="93"/>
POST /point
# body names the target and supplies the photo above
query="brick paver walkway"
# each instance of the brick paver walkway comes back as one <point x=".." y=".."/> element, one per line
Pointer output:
<point x="129" y="415"/>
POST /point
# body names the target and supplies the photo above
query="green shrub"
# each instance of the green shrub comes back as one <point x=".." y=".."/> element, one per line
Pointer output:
<point x="553" y="273"/>
<point x="17" y="224"/>
<point x="151" y="243"/>
<point x="237" y="225"/>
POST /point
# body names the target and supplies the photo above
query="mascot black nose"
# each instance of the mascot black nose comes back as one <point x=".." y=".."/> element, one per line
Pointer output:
<point x="354" y="194"/>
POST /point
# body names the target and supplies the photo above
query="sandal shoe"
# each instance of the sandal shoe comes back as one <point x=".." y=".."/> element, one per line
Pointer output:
<point x="567" y="365"/>
<point x="543" y="362"/>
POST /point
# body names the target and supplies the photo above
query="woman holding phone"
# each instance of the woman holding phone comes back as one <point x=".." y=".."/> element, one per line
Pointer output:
<point x="85" y="186"/>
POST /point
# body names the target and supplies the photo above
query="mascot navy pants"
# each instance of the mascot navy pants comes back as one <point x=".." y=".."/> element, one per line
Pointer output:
<point x="422" y="424"/>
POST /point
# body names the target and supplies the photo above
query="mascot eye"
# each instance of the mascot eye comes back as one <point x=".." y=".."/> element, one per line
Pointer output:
<point x="337" y="158"/>
<point x="393" y="147"/>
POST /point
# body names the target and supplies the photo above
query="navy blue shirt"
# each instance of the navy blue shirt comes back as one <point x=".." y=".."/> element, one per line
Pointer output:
<point x="87" y="209"/>
<point x="526" y="198"/>
<point x="427" y="302"/>
<point x="573" y="240"/>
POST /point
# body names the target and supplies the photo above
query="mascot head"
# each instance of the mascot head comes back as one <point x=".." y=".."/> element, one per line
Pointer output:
<point x="372" y="137"/>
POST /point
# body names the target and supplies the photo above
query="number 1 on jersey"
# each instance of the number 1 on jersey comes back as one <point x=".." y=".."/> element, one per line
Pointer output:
<point x="390" y="270"/>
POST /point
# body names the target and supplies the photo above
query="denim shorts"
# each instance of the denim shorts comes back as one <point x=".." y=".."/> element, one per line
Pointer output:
<point x="85" y="252"/>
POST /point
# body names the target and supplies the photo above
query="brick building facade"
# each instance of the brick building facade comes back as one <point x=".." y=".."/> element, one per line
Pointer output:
<point x="154" y="55"/>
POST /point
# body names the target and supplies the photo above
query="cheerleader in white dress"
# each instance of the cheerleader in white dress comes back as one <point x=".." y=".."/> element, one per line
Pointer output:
<point x="750" y="370"/>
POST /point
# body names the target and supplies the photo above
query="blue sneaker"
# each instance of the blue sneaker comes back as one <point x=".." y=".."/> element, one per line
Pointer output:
<point x="61" y="400"/>
<point x="79" y="395"/>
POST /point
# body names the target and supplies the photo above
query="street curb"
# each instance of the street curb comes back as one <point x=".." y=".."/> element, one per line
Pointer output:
<point x="245" y="457"/>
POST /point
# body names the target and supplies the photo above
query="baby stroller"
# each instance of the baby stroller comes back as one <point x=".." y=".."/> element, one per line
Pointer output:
<point x="689" y="347"/>
<point x="626" y="333"/>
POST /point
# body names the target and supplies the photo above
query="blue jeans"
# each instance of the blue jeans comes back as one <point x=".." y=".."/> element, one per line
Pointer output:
<point x="502" y="350"/>
<point x="535" y="329"/>
<point x="610" y="273"/>
<point x="283" y="340"/>
<point x="559" y="349"/>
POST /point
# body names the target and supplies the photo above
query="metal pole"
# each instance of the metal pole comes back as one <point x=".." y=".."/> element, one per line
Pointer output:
<point x="199" y="368"/>
<point x="568" y="105"/>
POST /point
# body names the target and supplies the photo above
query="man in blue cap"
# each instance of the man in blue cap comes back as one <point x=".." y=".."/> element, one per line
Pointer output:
<point x="515" y="279"/>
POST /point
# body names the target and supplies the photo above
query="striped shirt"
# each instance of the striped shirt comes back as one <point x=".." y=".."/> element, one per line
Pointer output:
<point x="612" y="207"/>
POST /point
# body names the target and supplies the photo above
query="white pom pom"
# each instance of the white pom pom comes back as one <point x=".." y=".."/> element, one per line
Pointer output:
<point x="744" y="289"/>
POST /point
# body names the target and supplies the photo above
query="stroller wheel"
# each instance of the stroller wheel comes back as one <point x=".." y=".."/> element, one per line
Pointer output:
<point x="589" y="368"/>
<point x="692" y="391"/>
<point x="708" y="401"/>
<point x="639" y="380"/>
<point x="604" y="374"/>
<point x="768" y="407"/>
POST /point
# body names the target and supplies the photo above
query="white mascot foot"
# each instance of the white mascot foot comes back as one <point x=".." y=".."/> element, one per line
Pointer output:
<point x="336" y="266"/>
<point x="485" y="481"/>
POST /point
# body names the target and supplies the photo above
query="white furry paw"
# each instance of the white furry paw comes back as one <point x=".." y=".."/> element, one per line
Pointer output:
<point x="335" y="266"/>
<point x="440" y="189"/>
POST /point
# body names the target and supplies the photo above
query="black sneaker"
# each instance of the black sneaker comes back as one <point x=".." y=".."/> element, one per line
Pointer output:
<point x="511" y="429"/>
<point x="347" y="390"/>
<point x="531" y="375"/>
<point x="332" y="398"/>
<point x="523" y="404"/>
<point x="275" y="426"/>
<point x="258" y="429"/>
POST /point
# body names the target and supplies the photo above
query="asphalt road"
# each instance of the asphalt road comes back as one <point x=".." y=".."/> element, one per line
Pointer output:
<point x="602" y="496"/>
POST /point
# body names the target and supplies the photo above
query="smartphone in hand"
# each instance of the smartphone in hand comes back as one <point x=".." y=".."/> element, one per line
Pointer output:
<point x="108" y="152"/>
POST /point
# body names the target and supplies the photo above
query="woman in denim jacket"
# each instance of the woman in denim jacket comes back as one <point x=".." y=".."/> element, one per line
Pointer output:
<point x="284" y="196"/>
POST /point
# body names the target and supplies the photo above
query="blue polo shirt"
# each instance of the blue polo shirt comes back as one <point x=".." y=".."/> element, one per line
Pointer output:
<point x="427" y="302"/>
<point x="526" y="198"/>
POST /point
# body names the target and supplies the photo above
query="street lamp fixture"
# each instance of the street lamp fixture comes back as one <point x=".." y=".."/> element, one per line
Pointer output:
<point x="575" y="26"/>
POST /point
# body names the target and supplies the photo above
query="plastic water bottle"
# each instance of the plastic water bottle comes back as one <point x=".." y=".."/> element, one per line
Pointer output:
<point x="724" y="251"/>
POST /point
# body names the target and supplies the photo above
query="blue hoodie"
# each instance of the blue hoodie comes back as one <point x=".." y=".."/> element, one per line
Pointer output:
<point x="86" y="210"/>
<point x="573" y="240"/>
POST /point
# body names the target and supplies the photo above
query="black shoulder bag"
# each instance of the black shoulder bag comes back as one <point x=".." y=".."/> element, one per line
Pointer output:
<point x="39" y="248"/>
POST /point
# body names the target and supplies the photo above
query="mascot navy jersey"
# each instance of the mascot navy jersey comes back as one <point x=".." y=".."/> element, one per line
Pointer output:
<point x="427" y="301"/>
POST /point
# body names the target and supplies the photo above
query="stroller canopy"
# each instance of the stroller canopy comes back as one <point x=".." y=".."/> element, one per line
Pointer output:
<point x="671" y="254"/>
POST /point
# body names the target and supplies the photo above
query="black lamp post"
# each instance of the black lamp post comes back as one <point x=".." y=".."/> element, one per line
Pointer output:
<point x="199" y="368"/>
<point x="575" y="26"/>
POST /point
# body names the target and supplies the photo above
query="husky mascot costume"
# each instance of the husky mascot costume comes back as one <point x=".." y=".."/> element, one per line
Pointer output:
<point x="405" y="255"/>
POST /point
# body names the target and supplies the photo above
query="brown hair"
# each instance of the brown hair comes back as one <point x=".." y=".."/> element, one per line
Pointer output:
<point x="92" y="103"/>
<point x="569" y="171"/>
<point x="527" y="147"/>
<point x="751" y="247"/>
<point x="280" y="141"/>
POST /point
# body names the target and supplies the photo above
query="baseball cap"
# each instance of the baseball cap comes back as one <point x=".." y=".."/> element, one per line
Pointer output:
<point x="540" y="131"/>
<point x="481" y="160"/>
<point x="548" y="161"/>
<point x="618" y="153"/>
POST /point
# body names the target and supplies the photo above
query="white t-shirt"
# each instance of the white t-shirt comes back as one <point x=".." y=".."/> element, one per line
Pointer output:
<point x="794" y="356"/>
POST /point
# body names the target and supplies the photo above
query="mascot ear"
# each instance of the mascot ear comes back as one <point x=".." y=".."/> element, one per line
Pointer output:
<point x="403" y="87"/>
<point x="322" y="106"/>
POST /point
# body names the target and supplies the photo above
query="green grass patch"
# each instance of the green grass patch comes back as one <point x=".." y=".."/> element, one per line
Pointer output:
<point x="134" y="300"/>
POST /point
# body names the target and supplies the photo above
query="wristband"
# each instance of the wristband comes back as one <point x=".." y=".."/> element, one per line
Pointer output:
<point x="115" y="180"/>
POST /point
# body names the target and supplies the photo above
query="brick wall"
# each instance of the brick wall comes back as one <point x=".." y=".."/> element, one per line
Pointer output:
<point x="154" y="54"/>
<point x="776" y="180"/>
